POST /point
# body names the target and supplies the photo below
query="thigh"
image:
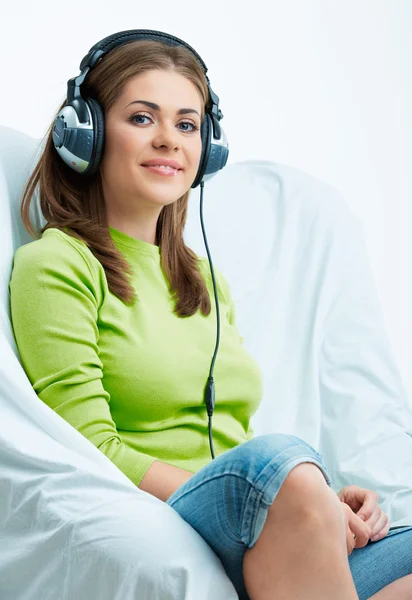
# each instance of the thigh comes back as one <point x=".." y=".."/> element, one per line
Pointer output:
<point x="378" y="564"/>
<point x="227" y="500"/>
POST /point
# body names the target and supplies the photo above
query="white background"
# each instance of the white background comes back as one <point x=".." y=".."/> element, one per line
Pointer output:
<point x="324" y="86"/>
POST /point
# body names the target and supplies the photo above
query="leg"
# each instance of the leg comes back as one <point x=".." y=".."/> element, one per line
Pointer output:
<point x="301" y="551"/>
<point x="398" y="590"/>
<point x="383" y="570"/>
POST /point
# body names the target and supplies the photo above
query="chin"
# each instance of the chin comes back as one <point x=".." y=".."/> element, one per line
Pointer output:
<point x="162" y="199"/>
<point x="161" y="195"/>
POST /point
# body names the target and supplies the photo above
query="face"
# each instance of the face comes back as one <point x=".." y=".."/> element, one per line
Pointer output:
<point x="136" y="133"/>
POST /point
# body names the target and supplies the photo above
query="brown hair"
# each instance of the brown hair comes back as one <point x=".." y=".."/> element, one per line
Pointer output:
<point x="75" y="203"/>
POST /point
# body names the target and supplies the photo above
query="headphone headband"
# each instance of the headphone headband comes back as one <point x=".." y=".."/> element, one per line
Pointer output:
<point x="131" y="35"/>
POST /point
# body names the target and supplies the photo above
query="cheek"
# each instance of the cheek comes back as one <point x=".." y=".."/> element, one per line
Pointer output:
<point x="198" y="152"/>
<point x="129" y="145"/>
<point x="121" y="142"/>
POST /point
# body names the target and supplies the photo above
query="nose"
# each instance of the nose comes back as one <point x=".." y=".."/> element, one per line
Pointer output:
<point x="168" y="136"/>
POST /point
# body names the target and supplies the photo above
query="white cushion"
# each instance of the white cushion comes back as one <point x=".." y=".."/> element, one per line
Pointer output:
<point x="295" y="258"/>
<point x="72" y="524"/>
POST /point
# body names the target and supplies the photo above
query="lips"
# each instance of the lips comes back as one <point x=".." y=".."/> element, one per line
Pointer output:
<point x="162" y="171"/>
<point x="167" y="167"/>
<point x="162" y="162"/>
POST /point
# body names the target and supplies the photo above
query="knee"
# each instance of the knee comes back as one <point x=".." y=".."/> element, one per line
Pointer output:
<point x="305" y="493"/>
<point x="267" y="446"/>
<point x="306" y="476"/>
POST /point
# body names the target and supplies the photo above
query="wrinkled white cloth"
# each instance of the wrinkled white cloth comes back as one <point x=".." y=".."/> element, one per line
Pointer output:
<point x="73" y="526"/>
<point x="296" y="260"/>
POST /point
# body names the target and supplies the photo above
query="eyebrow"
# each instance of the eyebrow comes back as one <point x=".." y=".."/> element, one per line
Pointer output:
<point x="181" y="111"/>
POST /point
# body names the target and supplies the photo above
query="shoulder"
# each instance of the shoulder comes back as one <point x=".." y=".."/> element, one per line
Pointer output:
<point x="221" y="280"/>
<point x="56" y="255"/>
<point x="55" y="247"/>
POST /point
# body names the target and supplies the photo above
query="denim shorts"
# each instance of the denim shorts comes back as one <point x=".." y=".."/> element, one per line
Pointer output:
<point x="227" y="501"/>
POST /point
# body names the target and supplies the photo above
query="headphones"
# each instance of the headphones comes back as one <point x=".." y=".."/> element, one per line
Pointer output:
<point x="78" y="136"/>
<point x="78" y="130"/>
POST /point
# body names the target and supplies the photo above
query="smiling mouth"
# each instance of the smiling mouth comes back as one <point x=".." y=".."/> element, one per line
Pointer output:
<point x="159" y="170"/>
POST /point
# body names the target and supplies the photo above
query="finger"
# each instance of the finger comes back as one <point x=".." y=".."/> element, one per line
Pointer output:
<point x="361" y="531"/>
<point x="370" y="500"/>
<point x="347" y="495"/>
<point x="375" y="518"/>
<point x="381" y="528"/>
<point x="350" y="541"/>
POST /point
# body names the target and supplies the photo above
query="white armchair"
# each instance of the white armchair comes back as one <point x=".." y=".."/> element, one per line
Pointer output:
<point x="73" y="526"/>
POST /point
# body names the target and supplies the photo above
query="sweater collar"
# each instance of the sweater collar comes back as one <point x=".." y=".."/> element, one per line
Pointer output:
<point x="135" y="245"/>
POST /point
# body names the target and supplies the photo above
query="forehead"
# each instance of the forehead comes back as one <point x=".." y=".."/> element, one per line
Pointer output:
<point x="166" y="88"/>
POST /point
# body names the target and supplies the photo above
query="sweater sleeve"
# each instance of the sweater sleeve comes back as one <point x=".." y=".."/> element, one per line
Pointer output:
<point x="224" y="284"/>
<point x="228" y="297"/>
<point x="54" y="302"/>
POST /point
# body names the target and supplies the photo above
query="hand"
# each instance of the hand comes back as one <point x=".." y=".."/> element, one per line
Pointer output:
<point x="357" y="532"/>
<point x="364" y="503"/>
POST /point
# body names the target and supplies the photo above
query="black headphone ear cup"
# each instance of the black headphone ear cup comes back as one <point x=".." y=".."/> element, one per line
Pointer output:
<point x="98" y="135"/>
<point x="205" y="130"/>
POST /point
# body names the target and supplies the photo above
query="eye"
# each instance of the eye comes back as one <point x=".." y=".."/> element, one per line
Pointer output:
<point x="143" y="116"/>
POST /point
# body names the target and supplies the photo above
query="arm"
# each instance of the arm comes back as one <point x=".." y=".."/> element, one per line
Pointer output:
<point x="225" y="287"/>
<point x="162" y="480"/>
<point x="55" y="295"/>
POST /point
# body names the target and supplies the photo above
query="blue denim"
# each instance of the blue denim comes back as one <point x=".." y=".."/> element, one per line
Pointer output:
<point x="227" y="501"/>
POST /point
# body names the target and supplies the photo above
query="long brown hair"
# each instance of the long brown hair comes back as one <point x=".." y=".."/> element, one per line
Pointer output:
<point x="75" y="203"/>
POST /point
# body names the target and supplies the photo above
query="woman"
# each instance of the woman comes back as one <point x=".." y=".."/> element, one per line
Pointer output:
<point x="113" y="320"/>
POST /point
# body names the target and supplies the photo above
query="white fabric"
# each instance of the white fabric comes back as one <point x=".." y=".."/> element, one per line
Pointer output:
<point x="296" y="261"/>
<point x="73" y="526"/>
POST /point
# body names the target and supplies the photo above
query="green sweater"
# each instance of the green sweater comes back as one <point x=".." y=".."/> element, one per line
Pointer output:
<point x="130" y="378"/>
